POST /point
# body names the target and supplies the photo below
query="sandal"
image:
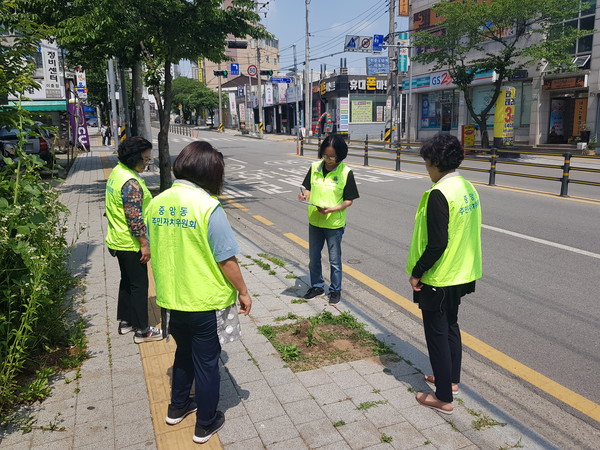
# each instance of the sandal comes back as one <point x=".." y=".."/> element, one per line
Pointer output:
<point x="431" y="401"/>
<point x="430" y="380"/>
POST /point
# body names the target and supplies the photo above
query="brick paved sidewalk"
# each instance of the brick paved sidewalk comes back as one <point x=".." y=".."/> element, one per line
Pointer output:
<point x="120" y="399"/>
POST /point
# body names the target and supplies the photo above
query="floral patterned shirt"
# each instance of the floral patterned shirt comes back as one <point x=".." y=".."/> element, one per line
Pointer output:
<point x="132" y="196"/>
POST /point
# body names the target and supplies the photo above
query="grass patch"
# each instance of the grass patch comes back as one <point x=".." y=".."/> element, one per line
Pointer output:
<point x="274" y="259"/>
<point x="427" y="442"/>
<point x="323" y="339"/>
<point x="508" y="446"/>
<point x="367" y="405"/>
<point x="298" y="301"/>
<point x="272" y="272"/>
<point x="291" y="276"/>
<point x="339" y="423"/>
<point x="255" y="295"/>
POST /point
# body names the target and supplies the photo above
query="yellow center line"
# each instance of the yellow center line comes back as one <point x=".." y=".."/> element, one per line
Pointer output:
<point x="232" y="203"/>
<point x="263" y="220"/>
<point x="556" y="390"/>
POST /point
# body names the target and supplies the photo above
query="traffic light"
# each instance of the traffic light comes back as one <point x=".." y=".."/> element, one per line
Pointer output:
<point x="237" y="44"/>
<point x="267" y="72"/>
<point x="220" y="73"/>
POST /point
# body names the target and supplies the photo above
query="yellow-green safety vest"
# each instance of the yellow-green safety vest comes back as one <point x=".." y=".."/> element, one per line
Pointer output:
<point x="187" y="276"/>
<point x="461" y="261"/>
<point x="326" y="192"/>
<point x="119" y="236"/>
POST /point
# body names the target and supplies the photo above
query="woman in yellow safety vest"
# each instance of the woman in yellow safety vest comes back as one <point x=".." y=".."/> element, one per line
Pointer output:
<point x="126" y="198"/>
<point x="197" y="281"/>
<point x="443" y="263"/>
<point x="330" y="188"/>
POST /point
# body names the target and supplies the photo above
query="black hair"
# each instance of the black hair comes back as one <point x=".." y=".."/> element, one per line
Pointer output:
<point x="200" y="163"/>
<point x="339" y="145"/>
<point x="443" y="151"/>
<point x="131" y="149"/>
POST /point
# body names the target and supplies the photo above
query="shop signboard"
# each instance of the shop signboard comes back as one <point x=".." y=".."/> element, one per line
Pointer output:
<point x="403" y="8"/>
<point x="232" y="103"/>
<point x="442" y="80"/>
<point x="580" y="116"/>
<point x="53" y="85"/>
<point x="242" y="112"/>
<point x="268" y="94"/>
<point x="579" y="81"/>
<point x="504" y="118"/>
<point x="344" y="113"/>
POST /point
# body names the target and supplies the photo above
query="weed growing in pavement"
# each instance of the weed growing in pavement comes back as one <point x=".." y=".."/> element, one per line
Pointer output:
<point x="376" y="391"/>
<point x="290" y="316"/>
<point x="339" y="423"/>
<point x="272" y="272"/>
<point x="459" y="401"/>
<point x="274" y="259"/>
<point x="263" y="265"/>
<point x="427" y="442"/>
<point x="385" y="439"/>
<point x="268" y="331"/>
<point x="366" y="405"/>
<point x="291" y="276"/>
<point x="255" y="295"/>
<point x="298" y="301"/>
<point x="482" y="420"/>
<point x="411" y="389"/>
<point x="289" y="352"/>
<point x="509" y="446"/>
<point x="453" y="426"/>
<point x="252" y="358"/>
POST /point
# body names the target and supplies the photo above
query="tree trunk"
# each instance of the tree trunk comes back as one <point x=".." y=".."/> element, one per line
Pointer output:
<point x="485" y="139"/>
<point x="164" y="108"/>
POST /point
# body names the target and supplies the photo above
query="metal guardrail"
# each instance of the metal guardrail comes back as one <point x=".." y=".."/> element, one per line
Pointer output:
<point x="367" y="147"/>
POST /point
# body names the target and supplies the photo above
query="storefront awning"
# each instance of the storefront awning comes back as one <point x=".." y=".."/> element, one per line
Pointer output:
<point x="42" y="105"/>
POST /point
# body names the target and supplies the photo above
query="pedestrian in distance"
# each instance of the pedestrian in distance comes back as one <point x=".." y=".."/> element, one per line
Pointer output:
<point x="103" y="129"/>
<point x="330" y="188"/>
<point x="126" y="198"/>
<point x="443" y="263"/>
<point x="197" y="281"/>
<point x="108" y="136"/>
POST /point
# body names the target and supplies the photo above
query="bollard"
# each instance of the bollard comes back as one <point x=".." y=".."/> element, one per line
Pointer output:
<point x="398" y="155"/>
<point x="564" y="182"/>
<point x="493" y="160"/>
<point x="366" y="160"/>
<point x="301" y="145"/>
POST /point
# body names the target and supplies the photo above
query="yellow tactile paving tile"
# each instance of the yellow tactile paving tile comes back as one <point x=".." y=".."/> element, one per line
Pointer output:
<point x="157" y="361"/>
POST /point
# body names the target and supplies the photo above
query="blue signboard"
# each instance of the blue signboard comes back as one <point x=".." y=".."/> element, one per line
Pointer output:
<point x="378" y="42"/>
<point x="234" y="69"/>
<point x="281" y="80"/>
<point x="240" y="91"/>
<point x="378" y="65"/>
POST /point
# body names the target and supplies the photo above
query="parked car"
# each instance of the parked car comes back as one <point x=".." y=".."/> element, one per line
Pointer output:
<point x="38" y="145"/>
<point x="92" y="122"/>
<point x="210" y="121"/>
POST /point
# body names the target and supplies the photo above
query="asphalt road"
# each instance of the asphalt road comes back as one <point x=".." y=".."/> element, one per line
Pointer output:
<point x="538" y="299"/>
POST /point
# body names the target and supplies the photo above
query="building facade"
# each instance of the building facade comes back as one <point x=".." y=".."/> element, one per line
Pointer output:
<point x="552" y="107"/>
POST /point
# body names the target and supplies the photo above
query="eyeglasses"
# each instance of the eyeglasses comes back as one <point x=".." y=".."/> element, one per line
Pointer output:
<point x="330" y="158"/>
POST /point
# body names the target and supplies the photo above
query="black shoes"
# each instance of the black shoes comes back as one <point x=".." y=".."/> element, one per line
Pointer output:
<point x="176" y="415"/>
<point x="313" y="292"/>
<point x="334" y="297"/>
<point x="203" y="434"/>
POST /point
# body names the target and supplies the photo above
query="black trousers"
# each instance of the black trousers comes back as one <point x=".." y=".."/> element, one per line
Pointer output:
<point x="440" y="321"/>
<point x="196" y="358"/>
<point x="132" y="306"/>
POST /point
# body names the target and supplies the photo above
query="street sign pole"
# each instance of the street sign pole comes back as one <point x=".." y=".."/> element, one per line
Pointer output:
<point x="296" y="91"/>
<point x="307" y="80"/>
<point x="220" y="103"/>
<point x="389" y="123"/>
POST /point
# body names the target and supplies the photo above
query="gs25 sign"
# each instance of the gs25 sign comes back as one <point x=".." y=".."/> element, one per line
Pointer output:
<point x="443" y="79"/>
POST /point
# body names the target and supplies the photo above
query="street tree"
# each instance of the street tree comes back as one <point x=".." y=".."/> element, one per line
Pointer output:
<point x="193" y="95"/>
<point x="158" y="32"/>
<point x="504" y="36"/>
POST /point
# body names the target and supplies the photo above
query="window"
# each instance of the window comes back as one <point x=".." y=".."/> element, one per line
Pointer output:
<point x="439" y="109"/>
<point x="583" y="21"/>
<point x="482" y="96"/>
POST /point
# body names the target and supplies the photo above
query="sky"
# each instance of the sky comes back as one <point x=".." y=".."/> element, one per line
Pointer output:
<point x="329" y="22"/>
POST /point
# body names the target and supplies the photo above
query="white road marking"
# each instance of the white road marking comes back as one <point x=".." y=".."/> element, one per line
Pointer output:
<point x="232" y="192"/>
<point x="543" y="241"/>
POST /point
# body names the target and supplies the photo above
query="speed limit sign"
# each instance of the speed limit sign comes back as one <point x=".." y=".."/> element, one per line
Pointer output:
<point x="252" y="70"/>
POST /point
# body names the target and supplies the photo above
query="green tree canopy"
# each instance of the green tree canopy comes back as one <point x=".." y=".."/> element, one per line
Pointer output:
<point x="500" y="35"/>
<point x="193" y="95"/>
<point x="160" y="32"/>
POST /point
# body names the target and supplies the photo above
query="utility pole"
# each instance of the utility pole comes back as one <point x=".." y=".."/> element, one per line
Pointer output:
<point x="220" y="102"/>
<point x="124" y="101"/>
<point x="307" y="81"/>
<point x="297" y="92"/>
<point x="113" y="102"/>
<point x="389" y="106"/>
<point x="261" y="122"/>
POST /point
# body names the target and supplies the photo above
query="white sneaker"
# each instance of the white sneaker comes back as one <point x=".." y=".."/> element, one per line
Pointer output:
<point x="153" y="334"/>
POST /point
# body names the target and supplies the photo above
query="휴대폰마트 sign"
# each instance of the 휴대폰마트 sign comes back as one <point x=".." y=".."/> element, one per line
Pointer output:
<point x="368" y="84"/>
